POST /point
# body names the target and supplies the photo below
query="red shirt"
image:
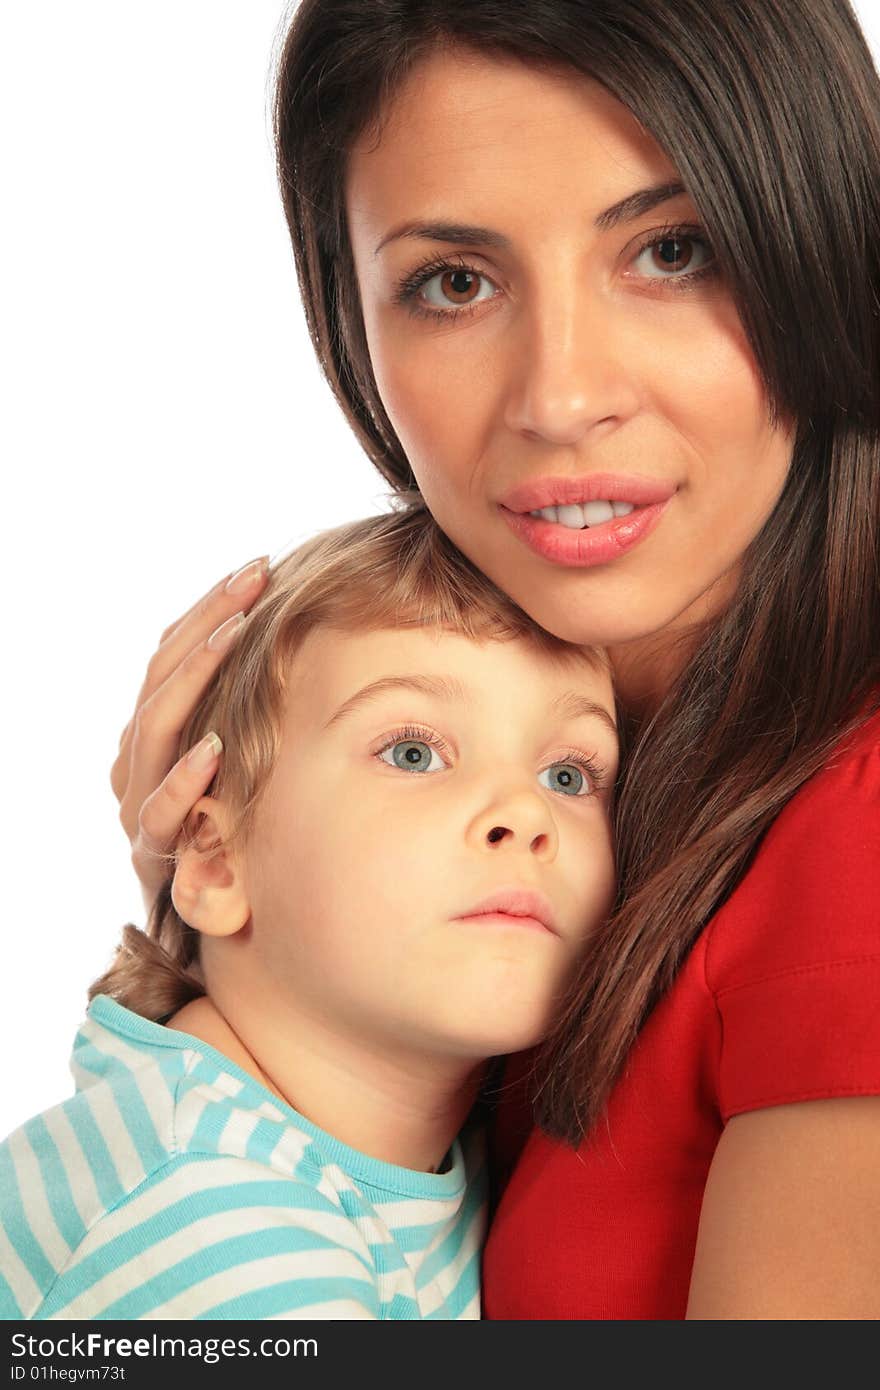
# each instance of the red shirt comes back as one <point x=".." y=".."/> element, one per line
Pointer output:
<point x="778" y="1001"/>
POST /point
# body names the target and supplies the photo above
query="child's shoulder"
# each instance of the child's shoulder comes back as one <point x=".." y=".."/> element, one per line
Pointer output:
<point x="160" y="1134"/>
<point x="174" y="1185"/>
<point x="190" y="1238"/>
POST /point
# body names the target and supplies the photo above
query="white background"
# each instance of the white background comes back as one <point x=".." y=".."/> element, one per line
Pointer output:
<point x="163" y="421"/>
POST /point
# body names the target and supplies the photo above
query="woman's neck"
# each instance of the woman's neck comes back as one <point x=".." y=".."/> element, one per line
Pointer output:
<point x="646" y="669"/>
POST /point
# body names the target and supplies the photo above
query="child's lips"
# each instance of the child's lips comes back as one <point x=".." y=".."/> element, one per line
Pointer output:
<point x="525" y="903"/>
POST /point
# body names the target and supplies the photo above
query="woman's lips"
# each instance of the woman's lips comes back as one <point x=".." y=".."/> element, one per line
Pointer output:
<point x="558" y="491"/>
<point x="593" y="545"/>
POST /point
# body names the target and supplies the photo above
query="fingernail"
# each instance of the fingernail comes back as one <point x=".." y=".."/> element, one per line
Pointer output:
<point x="205" y="752"/>
<point x="248" y="575"/>
<point x="223" y="636"/>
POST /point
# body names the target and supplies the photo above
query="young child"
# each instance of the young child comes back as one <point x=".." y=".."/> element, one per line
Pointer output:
<point x="402" y="854"/>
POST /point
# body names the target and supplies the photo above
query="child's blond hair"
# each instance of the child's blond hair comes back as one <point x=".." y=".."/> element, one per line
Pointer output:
<point x="389" y="571"/>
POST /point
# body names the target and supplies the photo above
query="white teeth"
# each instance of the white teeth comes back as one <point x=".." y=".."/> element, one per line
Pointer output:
<point x="576" y="516"/>
<point x="571" y="516"/>
<point x="597" y="512"/>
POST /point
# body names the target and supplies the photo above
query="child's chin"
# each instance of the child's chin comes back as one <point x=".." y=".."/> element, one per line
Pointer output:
<point x="515" y="1036"/>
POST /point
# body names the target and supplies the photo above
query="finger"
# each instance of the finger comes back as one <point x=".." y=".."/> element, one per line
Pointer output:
<point x="212" y="592"/>
<point x="236" y="594"/>
<point x="172" y="802"/>
<point x="119" y="770"/>
<point x="164" y="813"/>
<point x="158" y="724"/>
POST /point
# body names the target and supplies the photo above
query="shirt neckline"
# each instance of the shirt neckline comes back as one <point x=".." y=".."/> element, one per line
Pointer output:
<point x="377" y="1173"/>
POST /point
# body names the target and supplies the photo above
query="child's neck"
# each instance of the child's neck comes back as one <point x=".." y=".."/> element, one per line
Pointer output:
<point x="402" y="1110"/>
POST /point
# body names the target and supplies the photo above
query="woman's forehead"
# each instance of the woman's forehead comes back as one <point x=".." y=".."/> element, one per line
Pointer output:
<point x="467" y="132"/>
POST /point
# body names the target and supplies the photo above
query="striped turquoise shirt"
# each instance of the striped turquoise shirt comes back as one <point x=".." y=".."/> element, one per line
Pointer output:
<point x="174" y="1185"/>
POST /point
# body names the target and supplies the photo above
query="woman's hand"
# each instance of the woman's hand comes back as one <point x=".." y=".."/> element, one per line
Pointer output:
<point x="155" y="790"/>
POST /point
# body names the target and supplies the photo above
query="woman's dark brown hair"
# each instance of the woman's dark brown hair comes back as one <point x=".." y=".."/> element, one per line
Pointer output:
<point x="770" y="110"/>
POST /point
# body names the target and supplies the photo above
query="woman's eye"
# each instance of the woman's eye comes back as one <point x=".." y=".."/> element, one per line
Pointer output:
<point x="455" y="289"/>
<point x="564" y="778"/>
<point x="674" y="257"/>
<point x="412" y="755"/>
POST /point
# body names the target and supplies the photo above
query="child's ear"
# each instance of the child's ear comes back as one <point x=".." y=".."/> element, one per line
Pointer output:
<point x="208" y="889"/>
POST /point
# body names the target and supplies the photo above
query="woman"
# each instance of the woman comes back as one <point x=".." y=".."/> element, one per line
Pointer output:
<point x="623" y="258"/>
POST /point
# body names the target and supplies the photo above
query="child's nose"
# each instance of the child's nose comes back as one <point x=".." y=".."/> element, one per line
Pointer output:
<point x="504" y="832"/>
<point x="522" y="821"/>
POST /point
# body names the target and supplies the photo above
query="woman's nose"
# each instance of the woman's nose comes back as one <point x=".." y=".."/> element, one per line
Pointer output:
<point x="566" y="376"/>
<point x="518" y="823"/>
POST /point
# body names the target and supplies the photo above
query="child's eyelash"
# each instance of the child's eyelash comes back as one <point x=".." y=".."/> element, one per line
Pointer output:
<point x="413" y="733"/>
<point x="591" y="766"/>
<point x="407" y="288"/>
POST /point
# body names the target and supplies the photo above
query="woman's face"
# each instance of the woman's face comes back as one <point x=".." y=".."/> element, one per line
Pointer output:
<point x="533" y="349"/>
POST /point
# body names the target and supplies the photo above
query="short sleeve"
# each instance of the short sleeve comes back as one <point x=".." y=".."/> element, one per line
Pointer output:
<point x="793" y="958"/>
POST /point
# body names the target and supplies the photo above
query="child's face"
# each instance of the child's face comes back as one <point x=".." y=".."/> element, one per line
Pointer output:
<point x="420" y="774"/>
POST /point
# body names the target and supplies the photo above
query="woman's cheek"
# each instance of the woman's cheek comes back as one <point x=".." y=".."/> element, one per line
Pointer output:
<point x="437" y="387"/>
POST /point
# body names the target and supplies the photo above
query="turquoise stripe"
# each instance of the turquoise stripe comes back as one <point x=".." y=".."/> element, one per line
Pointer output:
<point x="249" y="1097"/>
<point x="294" y="1294"/>
<point x="458" y="1299"/>
<point x="205" y="1073"/>
<point x="311" y="1165"/>
<point x="130" y="1104"/>
<point x="388" y="1257"/>
<point x="379" y="1196"/>
<point x="412" y="1239"/>
<point x="212" y="1121"/>
<point x="27" y="1247"/>
<point x="450" y="1247"/>
<point x="206" y="1069"/>
<point x="55" y="1182"/>
<point x="177" y="1216"/>
<point x="171" y="1065"/>
<point x="9" y="1306"/>
<point x="353" y="1204"/>
<point x="95" y="1152"/>
<point x="401" y="1308"/>
<point x="265" y="1137"/>
<point x="223" y="1257"/>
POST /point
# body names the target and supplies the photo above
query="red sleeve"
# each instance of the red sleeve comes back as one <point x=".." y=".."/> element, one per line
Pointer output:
<point x="793" y="958"/>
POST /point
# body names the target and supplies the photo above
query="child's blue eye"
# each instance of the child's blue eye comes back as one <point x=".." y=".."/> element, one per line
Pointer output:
<point x="412" y="755"/>
<point x="564" y="778"/>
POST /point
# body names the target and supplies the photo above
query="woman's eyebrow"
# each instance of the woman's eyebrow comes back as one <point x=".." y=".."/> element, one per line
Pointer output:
<point x="456" y="232"/>
<point x="636" y="204"/>
<point x="464" y="233"/>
